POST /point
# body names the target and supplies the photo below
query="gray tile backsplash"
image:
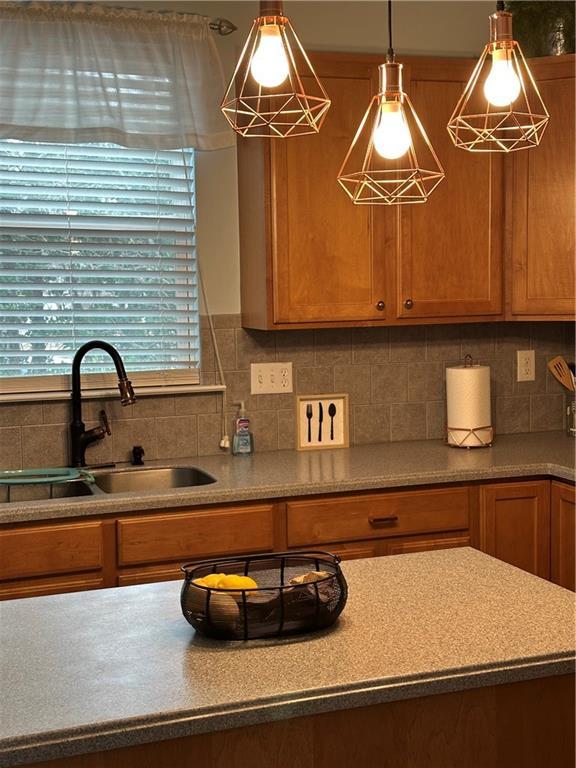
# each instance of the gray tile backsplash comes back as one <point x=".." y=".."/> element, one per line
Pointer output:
<point x="394" y="376"/>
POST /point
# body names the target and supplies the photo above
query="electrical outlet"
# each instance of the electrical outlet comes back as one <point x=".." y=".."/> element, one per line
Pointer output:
<point x="270" y="378"/>
<point x="525" y="365"/>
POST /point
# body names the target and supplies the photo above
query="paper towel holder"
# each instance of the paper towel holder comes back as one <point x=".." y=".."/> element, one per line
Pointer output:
<point x="460" y="436"/>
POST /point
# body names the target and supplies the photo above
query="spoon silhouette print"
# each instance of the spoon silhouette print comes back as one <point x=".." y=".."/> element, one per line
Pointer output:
<point x="332" y="413"/>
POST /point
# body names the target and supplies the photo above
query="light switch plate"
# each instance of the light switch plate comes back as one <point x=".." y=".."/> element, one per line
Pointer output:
<point x="525" y="365"/>
<point x="270" y="378"/>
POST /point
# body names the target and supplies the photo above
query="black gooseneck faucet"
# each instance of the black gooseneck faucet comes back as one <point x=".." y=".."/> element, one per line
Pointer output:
<point x="80" y="437"/>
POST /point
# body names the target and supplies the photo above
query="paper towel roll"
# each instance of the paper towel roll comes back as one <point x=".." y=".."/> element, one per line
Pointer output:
<point x="468" y="406"/>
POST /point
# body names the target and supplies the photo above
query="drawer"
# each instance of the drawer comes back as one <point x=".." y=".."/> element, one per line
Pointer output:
<point x="50" y="549"/>
<point x="195" y="534"/>
<point x="320" y="521"/>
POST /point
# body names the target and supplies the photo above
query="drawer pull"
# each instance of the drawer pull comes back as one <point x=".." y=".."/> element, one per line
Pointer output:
<point x="376" y="522"/>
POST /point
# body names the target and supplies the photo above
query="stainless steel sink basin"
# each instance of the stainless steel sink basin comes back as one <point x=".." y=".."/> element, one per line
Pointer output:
<point x="151" y="479"/>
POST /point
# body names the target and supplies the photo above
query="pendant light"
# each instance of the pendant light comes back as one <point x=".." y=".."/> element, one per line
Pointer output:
<point x="391" y="160"/>
<point x="266" y="95"/>
<point x="501" y="109"/>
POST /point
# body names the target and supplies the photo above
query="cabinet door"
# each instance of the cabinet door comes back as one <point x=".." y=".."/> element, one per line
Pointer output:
<point x="543" y="202"/>
<point x="563" y="535"/>
<point x="328" y="254"/>
<point x="515" y="524"/>
<point x="449" y="250"/>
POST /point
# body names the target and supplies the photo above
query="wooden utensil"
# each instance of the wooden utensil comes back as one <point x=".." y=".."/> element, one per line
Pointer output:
<point x="559" y="369"/>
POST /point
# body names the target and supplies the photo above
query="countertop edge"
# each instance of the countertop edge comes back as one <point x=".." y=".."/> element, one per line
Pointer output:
<point x="174" y="725"/>
<point x="139" y="502"/>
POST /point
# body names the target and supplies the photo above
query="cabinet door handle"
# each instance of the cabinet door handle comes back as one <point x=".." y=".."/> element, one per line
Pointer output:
<point x="408" y="303"/>
<point x="380" y="306"/>
<point x="376" y="522"/>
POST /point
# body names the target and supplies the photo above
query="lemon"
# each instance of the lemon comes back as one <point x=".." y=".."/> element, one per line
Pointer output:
<point x="200" y="582"/>
<point x="233" y="581"/>
<point x="212" y="579"/>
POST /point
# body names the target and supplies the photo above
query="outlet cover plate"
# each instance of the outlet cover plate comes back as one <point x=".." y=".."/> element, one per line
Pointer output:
<point x="525" y="365"/>
<point x="270" y="378"/>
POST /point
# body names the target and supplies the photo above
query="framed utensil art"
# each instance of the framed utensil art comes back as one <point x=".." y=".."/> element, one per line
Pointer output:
<point x="322" y="422"/>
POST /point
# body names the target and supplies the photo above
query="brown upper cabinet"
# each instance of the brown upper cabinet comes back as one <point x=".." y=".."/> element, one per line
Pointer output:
<point x="310" y="258"/>
<point x="542" y="199"/>
<point x="448" y="251"/>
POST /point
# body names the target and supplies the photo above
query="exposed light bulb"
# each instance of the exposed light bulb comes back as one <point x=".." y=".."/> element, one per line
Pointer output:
<point x="391" y="135"/>
<point x="269" y="66"/>
<point x="502" y="85"/>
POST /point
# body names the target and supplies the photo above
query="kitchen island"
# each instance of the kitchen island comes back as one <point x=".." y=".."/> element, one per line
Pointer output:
<point x="447" y="658"/>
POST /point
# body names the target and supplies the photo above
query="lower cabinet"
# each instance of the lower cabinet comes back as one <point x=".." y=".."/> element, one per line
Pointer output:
<point x="563" y="510"/>
<point x="529" y="524"/>
<point x="57" y="557"/>
<point x="514" y="524"/>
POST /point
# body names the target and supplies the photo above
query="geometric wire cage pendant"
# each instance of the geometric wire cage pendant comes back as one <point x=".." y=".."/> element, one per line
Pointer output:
<point x="391" y="167"/>
<point x="391" y="160"/>
<point x="266" y="95"/>
<point x="501" y="109"/>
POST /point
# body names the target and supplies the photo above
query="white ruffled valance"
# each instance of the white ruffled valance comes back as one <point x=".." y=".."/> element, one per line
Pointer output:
<point x="80" y="73"/>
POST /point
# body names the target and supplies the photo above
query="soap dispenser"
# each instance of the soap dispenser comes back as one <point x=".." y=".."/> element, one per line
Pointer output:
<point x="243" y="442"/>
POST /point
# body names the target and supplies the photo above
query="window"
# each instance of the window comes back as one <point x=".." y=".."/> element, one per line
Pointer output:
<point x="97" y="241"/>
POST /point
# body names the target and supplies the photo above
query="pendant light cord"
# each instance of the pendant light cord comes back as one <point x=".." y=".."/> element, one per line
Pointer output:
<point x="500" y="5"/>
<point x="390" y="52"/>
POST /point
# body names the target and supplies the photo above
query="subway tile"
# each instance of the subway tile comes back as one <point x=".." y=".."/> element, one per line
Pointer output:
<point x="548" y="338"/>
<point x="11" y="448"/>
<point x="191" y="403"/>
<point x="407" y="421"/>
<point x="275" y="402"/>
<point x="501" y="375"/>
<point x="512" y="414"/>
<point x="296" y="347"/>
<point x="209" y="434"/>
<point x="227" y="321"/>
<point x="371" y="424"/>
<point x="207" y="357"/>
<point x="287" y="429"/>
<point x="126" y="434"/>
<point x="407" y="344"/>
<point x="426" y="381"/>
<point x="436" y="420"/>
<point x="264" y="427"/>
<point x="546" y="413"/>
<point x="511" y="337"/>
<point x="45" y="446"/>
<point x="226" y="343"/>
<point x="254" y="347"/>
<point x="333" y="346"/>
<point x="238" y="388"/>
<point x="389" y="383"/>
<point x="370" y="345"/>
<point x="442" y="342"/>
<point x="317" y="380"/>
<point x="354" y="380"/>
<point x="54" y="412"/>
<point x="176" y="437"/>
<point x="151" y="407"/>
<point x="20" y="414"/>
<point x="478" y="340"/>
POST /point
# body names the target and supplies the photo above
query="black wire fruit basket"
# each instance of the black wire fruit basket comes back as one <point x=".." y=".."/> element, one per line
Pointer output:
<point x="295" y="593"/>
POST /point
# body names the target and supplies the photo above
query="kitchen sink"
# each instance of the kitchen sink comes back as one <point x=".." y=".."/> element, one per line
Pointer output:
<point x="151" y="479"/>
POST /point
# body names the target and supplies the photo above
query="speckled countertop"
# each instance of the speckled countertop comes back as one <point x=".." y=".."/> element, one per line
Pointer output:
<point x="292" y="473"/>
<point x="79" y="674"/>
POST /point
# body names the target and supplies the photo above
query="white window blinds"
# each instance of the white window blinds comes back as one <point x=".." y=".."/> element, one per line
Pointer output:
<point x="97" y="241"/>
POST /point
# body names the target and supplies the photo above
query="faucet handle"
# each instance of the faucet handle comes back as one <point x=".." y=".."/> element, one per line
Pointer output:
<point x="104" y="422"/>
